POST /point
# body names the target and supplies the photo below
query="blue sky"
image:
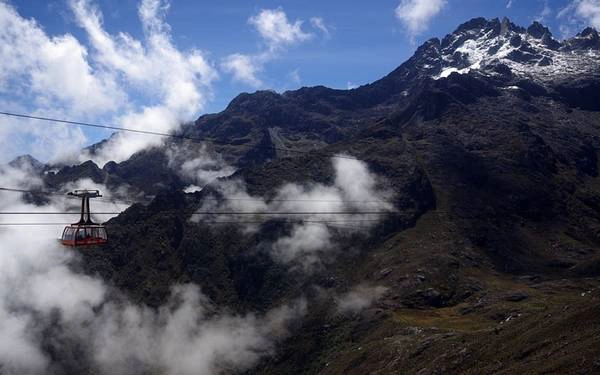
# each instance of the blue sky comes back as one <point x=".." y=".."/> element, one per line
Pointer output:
<point x="338" y="44"/>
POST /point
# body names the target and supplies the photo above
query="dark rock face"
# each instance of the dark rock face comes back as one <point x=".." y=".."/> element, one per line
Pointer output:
<point x="88" y="169"/>
<point x="587" y="39"/>
<point x="584" y="94"/>
<point x="147" y="172"/>
<point x="537" y="30"/>
<point x="516" y="296"/>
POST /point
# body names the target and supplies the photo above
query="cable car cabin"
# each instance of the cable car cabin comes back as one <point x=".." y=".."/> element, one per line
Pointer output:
<point x="83" y="235"/>
<point x="85" y="232"/>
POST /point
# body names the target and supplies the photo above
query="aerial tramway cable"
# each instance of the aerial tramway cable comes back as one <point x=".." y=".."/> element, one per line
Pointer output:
<point x="224" y="222"/>
<point x="120" y="201"/>
<point x="212" y="212"/>
<point x="293" y="216"/>
<point x="146" y="132"/>
<point x="215" y="213"/>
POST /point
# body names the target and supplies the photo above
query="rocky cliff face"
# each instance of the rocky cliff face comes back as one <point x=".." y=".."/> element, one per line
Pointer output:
<point x="492" y="46"/>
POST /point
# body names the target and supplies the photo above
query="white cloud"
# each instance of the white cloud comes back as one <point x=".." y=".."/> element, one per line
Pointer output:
<point x="243" y="68"/>
<point x="45" y="141"/>
<point x="152" y="14"/>
<point x="319" y="24"/>
<point x="42" y="296"/>
<point x="145" y="84"/>
<point x="589" y="10"/>
<point x="416" y="14"/>
<point x="179" y="81"/>
<point x="578" y="14"/>
<point x="294" y="76"/>
<point x="197" y="165"/>
<point x="545" y="12"/>
<point x="359" y="298"/>
<point x="277" y="33"/>
<point x="354" y="188"/>
<point x="274" y="27"/>
<point x="48" y="76"/>
<point x="18" y="351"/>
<point x="306" y="242"/>
<point x="183" y="338"/>
<point x="51" y="69"/>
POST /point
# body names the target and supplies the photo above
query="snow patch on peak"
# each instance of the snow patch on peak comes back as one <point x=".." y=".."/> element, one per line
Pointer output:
<point x="529" y="52"/>
<point x="446" y="72"/>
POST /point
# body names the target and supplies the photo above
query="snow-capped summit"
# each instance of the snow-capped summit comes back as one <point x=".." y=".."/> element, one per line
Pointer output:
<point x="493" y="47"/>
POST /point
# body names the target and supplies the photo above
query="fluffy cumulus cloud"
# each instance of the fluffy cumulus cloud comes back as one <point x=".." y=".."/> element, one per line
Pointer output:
<point x="185" y="336"/>
<point x="48" y="309"/>
<point x="590" y="11"/>
<point x="578" y="14"/>
<point x="244" y="68"/>
<point x="355" y="190"/>
<point x="53" y="75"/>
<point x="48" y="69"/>
<point x="276" y="30"/>
<point x="48" y="142"/>
<point x="415" y="15"/>
<point x="145" y="84"/>
<point x="277" y="33"/>
<point x="306" y="243"/>
<point x="178" y="81"/>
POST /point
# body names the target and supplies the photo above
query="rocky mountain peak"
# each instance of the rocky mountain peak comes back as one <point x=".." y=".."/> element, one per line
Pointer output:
<point x="538" y="31"/>
<point x="27" y="162"/>
<point x="262" y="98"/>
<point x="427" y="54"/>
<point x="507" y="27"/>
<point x="473" y="24"/>
<point x="481" y="45"/>
<point x="588" y="39"/>
<point x="588" y="32"/>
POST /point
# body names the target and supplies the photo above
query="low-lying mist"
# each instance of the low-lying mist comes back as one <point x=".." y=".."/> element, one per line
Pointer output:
<point x="197" y="165"/>
<point x="361" y="195"/>
<point x="55" y="319"/>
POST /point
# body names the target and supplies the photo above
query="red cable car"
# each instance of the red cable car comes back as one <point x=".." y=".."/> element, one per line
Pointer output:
<point x="85" y="232"/>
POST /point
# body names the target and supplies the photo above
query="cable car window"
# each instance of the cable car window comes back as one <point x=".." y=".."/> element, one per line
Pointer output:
<point x="80" y="234"/>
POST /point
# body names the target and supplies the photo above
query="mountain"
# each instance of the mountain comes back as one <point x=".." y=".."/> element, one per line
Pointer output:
<point x="484" y="55"/>
<point x="488" y="140"/>
<point x="27" y="162"/>
<point x="493" y="47"/>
